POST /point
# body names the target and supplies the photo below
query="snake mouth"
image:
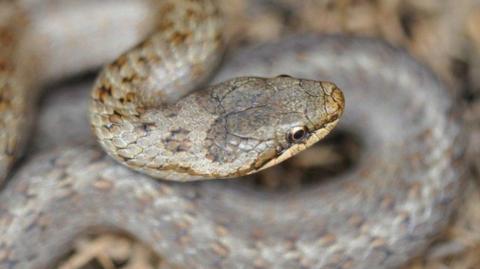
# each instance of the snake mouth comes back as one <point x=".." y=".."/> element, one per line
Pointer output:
<point x="334" y="106"/>
<point x="294" y="149"/>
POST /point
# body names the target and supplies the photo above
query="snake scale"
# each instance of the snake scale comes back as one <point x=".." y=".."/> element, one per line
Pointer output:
<point x="379" y="214"/>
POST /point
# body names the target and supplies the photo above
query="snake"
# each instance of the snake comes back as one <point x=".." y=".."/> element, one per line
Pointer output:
<point x="378" y="214"/>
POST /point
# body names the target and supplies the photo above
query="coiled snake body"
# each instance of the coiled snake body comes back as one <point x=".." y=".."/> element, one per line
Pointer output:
<point x="377" y="215"/>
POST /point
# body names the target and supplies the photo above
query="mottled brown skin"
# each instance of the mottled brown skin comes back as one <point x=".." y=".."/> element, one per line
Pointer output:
<point x="230" y="129"/>
<point x="185" y="46"/>
<point x="379" y="214"/>
<point x="35" y="49"/>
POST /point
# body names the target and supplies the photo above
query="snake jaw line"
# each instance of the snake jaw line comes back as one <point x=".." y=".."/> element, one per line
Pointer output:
<point x="297" y="148"/>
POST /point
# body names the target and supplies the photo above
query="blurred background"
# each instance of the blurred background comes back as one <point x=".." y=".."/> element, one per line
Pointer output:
<point x="443" y="34"/>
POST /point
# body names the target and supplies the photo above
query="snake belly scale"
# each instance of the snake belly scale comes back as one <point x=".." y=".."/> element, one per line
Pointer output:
<point x="377" y="215"/>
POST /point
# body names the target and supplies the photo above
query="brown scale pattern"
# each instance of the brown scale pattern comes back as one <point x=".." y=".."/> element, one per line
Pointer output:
<point x="378" y="216"/>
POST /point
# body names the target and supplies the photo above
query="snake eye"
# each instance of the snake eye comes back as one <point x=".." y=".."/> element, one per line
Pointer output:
<point x="297" y="134"/>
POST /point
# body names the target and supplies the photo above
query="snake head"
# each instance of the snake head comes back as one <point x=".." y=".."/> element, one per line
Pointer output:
<point x="265" y="121"/>
<point x="309" y="110"/>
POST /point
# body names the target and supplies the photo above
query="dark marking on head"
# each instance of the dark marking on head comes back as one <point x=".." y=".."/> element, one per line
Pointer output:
<point x="222" y="146"/>
<point x="147" y="126"/>
<point x="178" y="141"/>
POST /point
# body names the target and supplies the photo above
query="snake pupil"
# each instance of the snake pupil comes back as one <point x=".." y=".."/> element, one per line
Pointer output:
<point x="297" y="134"/>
